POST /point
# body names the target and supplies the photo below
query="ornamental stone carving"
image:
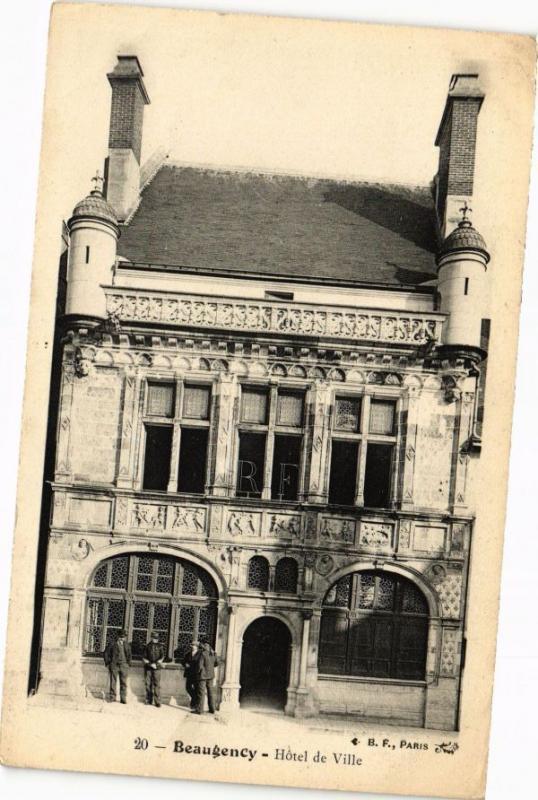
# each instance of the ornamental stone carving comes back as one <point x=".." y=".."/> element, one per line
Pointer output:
<point x="404" y="539"/>
<point x="348" y="323"/>
<point x="449" y="591"/>
<point x="148" y="517"/>
<point x="284" y="525"/>
<point x="457" y="539"/>
<point x="82" y="363"/>
<point x="324" y="564"/>
<point x="375" y="534"/>
<point x="243" y="523"/>
<point x="81" y="550"/>
<point x="449" y="653"/>
<point x="187" y="520"/>
<point x="337" y="530"/>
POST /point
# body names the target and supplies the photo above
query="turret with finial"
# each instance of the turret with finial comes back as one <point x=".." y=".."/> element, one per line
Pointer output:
<point x="93" y="236"/>
<point x="461" y="267"/>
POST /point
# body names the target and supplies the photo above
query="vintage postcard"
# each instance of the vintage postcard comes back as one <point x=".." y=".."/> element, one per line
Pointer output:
<point x="264" y="461"/>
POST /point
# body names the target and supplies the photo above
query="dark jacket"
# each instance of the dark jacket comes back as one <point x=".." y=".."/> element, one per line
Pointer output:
<point x="205" y="664"/>
<point x="189" y="662"/>
<point x="112" y="654"/>
<point x="153" y="654"/>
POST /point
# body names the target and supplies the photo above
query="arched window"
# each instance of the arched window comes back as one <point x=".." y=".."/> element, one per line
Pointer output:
<point x="374" y="624"/>
<point x="286" y="575"/>
<point x="258" y="573"/>
<point x="143" y="593"/>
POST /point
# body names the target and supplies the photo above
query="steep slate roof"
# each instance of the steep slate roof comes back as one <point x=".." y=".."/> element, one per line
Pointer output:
<point x="283" y="225"/>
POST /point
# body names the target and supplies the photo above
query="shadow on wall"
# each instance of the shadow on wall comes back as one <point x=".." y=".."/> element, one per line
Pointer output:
<point x="396" y="211"/>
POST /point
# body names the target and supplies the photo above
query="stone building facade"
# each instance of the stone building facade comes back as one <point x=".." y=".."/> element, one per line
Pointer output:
<point x="268" y="410"/>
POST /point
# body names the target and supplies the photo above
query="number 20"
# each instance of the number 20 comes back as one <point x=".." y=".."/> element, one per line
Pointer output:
<point x="140" y="744"/>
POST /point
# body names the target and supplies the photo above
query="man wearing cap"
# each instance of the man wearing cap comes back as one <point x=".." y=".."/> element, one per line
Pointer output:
<point x="118" y="660"/>
<point x="153" y="658"/>
<point x="206" y="661"/>
<point x="190" y="671"/>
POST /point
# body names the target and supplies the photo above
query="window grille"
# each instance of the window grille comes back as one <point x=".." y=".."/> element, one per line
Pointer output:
<point x="258" y="573"/>
<point x="381" y="417"/>
<point x="290" y="409"/>
<point x="254" y="406"/>
<point x="347" y="414"/>
<point x="171" y="596"/>
<point x="286" y="575"/>
<point x="160" y="400"/>
<point x="196" y="402"/>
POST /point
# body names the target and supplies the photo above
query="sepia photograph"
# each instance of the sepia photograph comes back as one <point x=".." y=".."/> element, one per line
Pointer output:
<point x="264" y="456"/>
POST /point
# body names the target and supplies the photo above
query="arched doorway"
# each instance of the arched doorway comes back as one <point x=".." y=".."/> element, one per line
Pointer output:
<point x="265" y="664"/>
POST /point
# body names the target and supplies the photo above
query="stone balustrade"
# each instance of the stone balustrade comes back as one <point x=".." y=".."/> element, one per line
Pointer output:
<point x="262" y="316"/>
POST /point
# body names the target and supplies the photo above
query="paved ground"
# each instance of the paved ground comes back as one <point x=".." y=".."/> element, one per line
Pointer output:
<point x="269" y="719"/>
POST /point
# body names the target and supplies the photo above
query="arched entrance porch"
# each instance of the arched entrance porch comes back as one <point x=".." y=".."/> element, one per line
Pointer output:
<point x="265" y="664"/>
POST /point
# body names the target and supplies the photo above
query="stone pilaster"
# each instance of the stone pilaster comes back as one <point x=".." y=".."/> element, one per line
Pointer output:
<point x="63" y="467"/>
<point x="460" y="463"/>
<point x="125" y="479"/>
<point x="319" y="427"/>
<point x="222" y="444"/>
<point x="411" y="413"/>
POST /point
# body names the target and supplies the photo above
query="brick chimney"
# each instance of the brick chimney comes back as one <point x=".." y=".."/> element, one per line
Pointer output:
<point x="456" y="140"/>
<point x="129" y="97"/>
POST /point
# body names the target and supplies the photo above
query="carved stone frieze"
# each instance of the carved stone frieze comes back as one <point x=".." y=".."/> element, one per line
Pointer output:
<point x="147" y="516"/>
<point x="243" y="523"/>
<point x="284" y="525"/>
<point x="257" y="316"/>
<point x="375" y="534"/>
<point x="186" y="520"/>
<point x="337" y="530"/>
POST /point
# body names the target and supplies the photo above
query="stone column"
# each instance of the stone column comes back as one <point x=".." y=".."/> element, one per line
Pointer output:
<point x="230" y="688"/>
<point x="302" y="689"/>
<point x="319" y="422"/>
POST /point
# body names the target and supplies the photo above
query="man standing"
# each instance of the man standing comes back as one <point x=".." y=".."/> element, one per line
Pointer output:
<point x="190" y="670"/>
<point x="118" y="660"/>
<point x="206" y="661"/>
<point x="153" y="658"/>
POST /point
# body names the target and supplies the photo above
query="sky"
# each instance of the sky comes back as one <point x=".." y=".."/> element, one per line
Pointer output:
<point x="267" y="93"/>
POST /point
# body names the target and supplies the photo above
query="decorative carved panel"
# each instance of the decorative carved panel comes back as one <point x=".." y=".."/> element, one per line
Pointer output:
<point x="337" y="530"/>
<point x="148" y="517"/>
<point x="449" y="590"/>
<point x="286" y="525"/>
<point x="186" y="520"/>
<point x="258" y="316"/>
<point x="243" y="523"/>
<point x="449" y="653"/>
<point x="376" y="534"/>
